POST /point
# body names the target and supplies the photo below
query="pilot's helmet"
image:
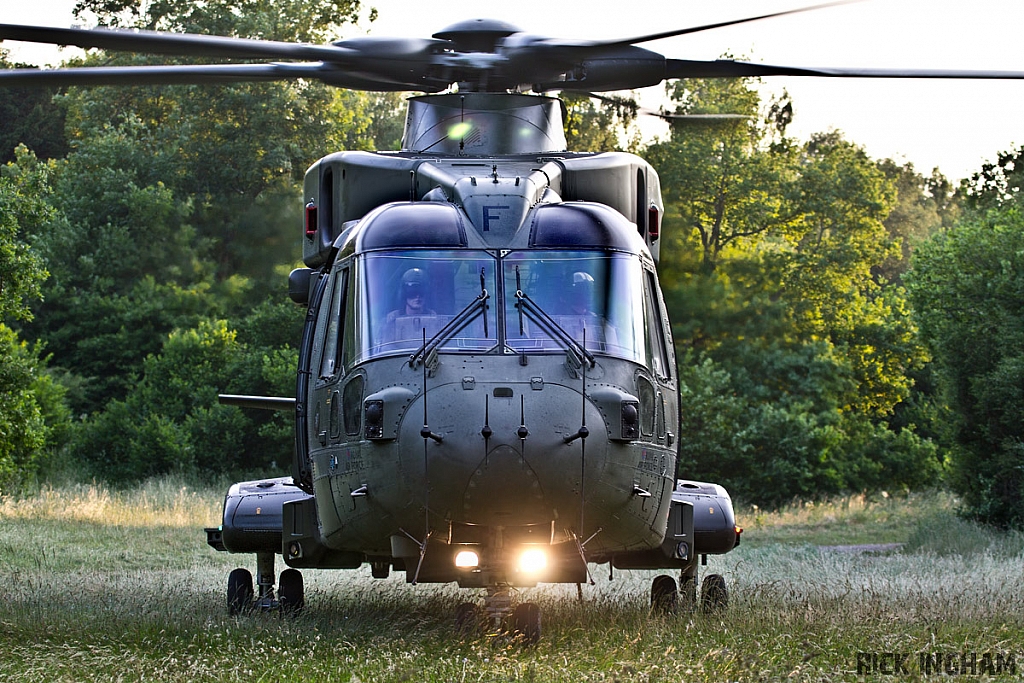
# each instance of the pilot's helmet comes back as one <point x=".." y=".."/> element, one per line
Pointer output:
<point x="582" y="281"/>
<point x="414" y="276"/>
<point x="414" y="282"/>
<point x="582" y="286"/>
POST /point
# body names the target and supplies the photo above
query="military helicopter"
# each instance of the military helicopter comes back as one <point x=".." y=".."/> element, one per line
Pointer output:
<point x="486" y="390"/>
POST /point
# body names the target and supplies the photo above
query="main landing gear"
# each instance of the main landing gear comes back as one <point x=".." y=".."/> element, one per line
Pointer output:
<point x="242" y="598"/>
<point x="665" y="599"/>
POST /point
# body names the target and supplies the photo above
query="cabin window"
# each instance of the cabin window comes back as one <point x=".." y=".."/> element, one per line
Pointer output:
<point x="659" y="419"/>
<point x="329" y="366"/>
<point x="352" y="405"/>
<point x="403" y="296"/>
<point x="657" y="344"/>
<point x="335" y="419"/>
<point x="594" y="294"/>
<point x="648" y="399"/>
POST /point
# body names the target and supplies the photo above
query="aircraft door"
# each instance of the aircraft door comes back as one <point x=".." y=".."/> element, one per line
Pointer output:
<point x="327" y="364"/>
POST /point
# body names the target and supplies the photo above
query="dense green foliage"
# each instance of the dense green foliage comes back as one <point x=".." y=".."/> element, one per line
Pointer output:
<point x="167" y="229"/>
<point x="600" y="126"/>
<point x="968" y="289"/>
<point x="32" y="412"/>
<point x="171" y="421"/>
<point x="796" y="352"/>
<point x="29" y="116"/>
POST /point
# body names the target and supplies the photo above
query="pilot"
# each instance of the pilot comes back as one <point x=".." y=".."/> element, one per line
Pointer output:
<point x="412" y="304"/>
<point x="413" y="296"/>
<point x="581" y="296"/>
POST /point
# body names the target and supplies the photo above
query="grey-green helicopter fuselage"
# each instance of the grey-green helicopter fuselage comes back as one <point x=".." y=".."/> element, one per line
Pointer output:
<point x="487" y="389"/>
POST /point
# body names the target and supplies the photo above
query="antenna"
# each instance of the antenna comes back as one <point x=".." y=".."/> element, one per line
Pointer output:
<point x="583" y="432"/>
<point x="426" y="434"/>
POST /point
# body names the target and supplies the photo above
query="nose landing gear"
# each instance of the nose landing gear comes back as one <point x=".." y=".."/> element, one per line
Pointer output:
<point x="499" y="617"/>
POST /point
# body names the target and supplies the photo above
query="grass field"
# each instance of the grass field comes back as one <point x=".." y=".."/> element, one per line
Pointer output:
<point x="97" y="585"/>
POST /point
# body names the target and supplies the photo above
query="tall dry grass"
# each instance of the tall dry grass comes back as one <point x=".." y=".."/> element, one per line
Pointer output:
<point x="106" y="585"/>
<point x="157" y="502"/>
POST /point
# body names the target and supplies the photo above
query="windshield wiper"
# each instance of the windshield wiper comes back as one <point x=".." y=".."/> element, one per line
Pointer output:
<point x="463" y="318"/>
<point x="524" y="302"/>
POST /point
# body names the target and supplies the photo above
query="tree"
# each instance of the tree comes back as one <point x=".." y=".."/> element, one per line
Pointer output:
<point x="31" y="410"/>
<point x="599" y="125"/>
<point x="237" y="152"/>
<point x="183" y="202"/>
<point x="967" y="288"/>
<point x="289" y="20"/>
<point x="21" y="270"/>
<point x="793" y="357"/>
<point x="29" y="116"/>
<point x="171" y="421"/>
<point x="923" y="207"/>
<point x="997" y="183"/>
<point x="126" y="266"/>
<point x="726" y="179"/>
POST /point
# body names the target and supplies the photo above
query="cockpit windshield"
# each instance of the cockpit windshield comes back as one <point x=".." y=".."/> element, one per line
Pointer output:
<point x="596" y="295"/>
<point x="404" y="295"/>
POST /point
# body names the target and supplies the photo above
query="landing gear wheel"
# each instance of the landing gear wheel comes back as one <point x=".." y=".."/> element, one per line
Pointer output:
<point x="687" y="593"/>
<point x="240" y="592"/>
<point x="663" y="594"/>
<point x="714" y="596"/>
<point x="526" y="622"/>
<point x="467" y="618"/>
<point x="291" y="592"/>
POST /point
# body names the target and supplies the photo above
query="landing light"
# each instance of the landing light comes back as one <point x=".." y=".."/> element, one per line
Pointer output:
<point x="467" y="559"/>
<point x="460" y="130"/>
<point x="533" y="560"/>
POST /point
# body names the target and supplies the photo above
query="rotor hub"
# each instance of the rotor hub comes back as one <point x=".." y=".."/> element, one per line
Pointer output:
<point x="477" y="35"/>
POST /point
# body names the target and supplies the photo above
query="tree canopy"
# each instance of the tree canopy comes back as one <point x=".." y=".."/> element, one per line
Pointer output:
<point x="967" y="286"/>
<point x="796" y="356"/>
<point x="32" y="413"/>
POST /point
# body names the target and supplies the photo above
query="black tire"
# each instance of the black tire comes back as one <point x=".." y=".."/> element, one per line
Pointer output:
<point x="291" y="591"/>
<point x="687" y="593"/>
<point x="664" y="597"/>
<point x="467" y="618"/>
<point x="526" y="622"/>
<point x="714" y="596"/>
<point x="380" y="569"/>
<point x="240" y="592"/>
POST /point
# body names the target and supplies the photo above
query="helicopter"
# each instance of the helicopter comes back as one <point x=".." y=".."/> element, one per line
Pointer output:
<point x="486" y="392"/>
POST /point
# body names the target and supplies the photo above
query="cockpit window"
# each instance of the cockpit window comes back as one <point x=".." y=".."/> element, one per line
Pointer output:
<point x="403" y="295"/>
<point x="450" y="297"/>
<point x="598" y="295"/>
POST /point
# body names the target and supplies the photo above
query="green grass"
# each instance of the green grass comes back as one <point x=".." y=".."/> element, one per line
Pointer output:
<point x="98" y="585"/>
<point x="858" y="519"/>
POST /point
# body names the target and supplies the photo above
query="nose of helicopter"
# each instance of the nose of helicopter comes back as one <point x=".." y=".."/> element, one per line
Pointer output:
<point x="504" y="488"/>
<point x="503" y="458"/>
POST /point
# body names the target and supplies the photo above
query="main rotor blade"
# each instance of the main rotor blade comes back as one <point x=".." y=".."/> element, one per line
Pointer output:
<point x="183" y="44"/>
<point x="727" y="68"/>
<point x="193" y="74"/>
<point x="632" y="105"/>
<point x="708" y="27"/>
